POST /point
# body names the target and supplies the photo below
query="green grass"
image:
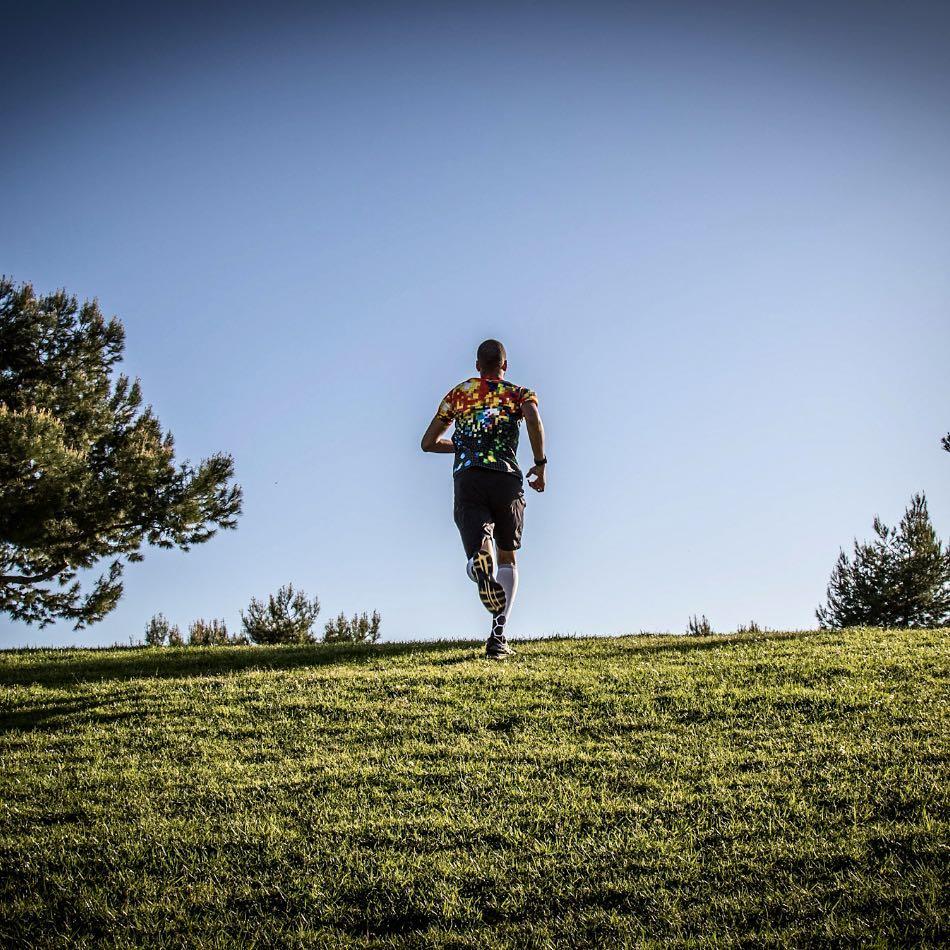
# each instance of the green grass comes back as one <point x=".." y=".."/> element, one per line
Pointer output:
<point x="767" y="790"/>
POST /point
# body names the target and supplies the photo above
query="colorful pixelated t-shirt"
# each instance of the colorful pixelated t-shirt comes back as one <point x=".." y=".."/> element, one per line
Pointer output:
<point x="487" y="417"/>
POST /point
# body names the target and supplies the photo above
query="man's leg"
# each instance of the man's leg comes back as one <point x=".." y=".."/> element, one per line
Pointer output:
<point x="508" y="577"/>
<point x="474" y="520"/>
<point x="508" y="506"/>
<point x="508" y="511"/>
<point x="481" y="568"/>
<point x="498" y="647"/>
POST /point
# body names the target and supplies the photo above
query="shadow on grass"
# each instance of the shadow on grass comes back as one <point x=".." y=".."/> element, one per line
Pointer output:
<point x="68" y="667"/>
<point x="71" y="666"/>
<point x="49" y="717"/>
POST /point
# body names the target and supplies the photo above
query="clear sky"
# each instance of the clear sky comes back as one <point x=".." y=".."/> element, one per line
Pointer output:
<point x="714" y="238"/>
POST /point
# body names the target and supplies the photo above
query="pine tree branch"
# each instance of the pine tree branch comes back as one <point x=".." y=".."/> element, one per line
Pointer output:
<point x="32" y="578"/>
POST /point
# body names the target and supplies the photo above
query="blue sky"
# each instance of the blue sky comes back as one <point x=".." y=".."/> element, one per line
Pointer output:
<point x="714" y="239"/>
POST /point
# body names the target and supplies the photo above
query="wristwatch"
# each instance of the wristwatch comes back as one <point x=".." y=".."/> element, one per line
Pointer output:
<point x="543" y="461"/>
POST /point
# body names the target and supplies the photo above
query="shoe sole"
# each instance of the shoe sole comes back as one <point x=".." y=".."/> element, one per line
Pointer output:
<point x="490" y="592"/>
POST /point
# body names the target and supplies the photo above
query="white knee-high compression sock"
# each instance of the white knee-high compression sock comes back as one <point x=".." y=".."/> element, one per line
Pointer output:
<point x="508" y="578"/>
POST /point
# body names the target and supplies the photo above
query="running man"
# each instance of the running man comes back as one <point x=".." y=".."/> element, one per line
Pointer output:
<point x="489" y="488"/>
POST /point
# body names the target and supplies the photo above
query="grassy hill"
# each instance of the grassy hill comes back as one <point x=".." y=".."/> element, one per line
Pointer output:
<point x="768" y="790"/>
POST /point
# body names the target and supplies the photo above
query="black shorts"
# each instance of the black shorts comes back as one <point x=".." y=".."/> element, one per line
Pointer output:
<point x="489" y="501"/>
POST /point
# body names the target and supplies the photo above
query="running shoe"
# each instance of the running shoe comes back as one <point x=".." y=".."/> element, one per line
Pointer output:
<point x="497" y="647"/>
<point x="490" y="592"/>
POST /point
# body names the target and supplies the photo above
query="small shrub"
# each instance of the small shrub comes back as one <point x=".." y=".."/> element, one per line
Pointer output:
<point x="360" y="628"/>
<point x="699" y="627"/>
<point x="207" y="633"/>
<point x="287" y="617"/>
<point x="158" y="632"/>
<point x="750" y="627"/>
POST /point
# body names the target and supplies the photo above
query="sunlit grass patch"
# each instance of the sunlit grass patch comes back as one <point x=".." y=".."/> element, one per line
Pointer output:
<point x="746" y="791"/>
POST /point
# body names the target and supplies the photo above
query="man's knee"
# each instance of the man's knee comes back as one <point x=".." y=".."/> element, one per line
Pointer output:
<point x="506" y="557"/>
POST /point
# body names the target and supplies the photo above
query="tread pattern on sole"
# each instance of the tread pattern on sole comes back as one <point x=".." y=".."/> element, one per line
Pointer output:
<point x="490" y="592"/>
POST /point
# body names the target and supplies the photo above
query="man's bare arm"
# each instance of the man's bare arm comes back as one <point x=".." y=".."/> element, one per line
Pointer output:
<point x="432" y="441"/>
<point x="532" y="419"/>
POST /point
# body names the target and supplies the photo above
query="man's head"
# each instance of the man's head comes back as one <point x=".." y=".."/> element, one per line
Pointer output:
<point x="491" y="359"/>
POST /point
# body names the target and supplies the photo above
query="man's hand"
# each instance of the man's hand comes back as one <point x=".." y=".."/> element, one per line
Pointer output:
<point x="538" y="472"/>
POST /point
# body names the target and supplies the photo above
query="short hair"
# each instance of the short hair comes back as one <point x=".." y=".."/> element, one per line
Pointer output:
<point x="491" y="354"/>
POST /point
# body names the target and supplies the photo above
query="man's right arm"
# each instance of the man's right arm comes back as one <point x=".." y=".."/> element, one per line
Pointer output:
<point x="432" y="440"/>
<point x="532" y="419"/>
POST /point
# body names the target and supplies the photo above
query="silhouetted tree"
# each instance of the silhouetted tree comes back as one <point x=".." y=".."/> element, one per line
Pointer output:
<point x="360" y="628"/>
<point x="158" y="632"/>
<point x="900" y="579"/>
<point x="699" y="627"/>
<point x="86" y="472"/>
<point x="287" y="617"/>
<point x="212" y="633"/>
<point x="750" y="627"/>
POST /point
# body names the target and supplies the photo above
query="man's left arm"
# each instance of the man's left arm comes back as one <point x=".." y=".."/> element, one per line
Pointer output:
<point x="532" y="419"/>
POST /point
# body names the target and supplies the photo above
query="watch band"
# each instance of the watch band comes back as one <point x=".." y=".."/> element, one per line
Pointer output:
<point x="543" y="461"/>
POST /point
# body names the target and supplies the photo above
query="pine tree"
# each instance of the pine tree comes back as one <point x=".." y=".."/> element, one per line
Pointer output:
<point x="208" y="633"/>
<point x="699" y="627"/>
<point x="923" y="578"/>
<point x="158" y="631"/>
<point x="900" y="579"/>
<point x="361" y="628"/>
<point x="86" y="473"/>
<point x="287" y="617"/>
